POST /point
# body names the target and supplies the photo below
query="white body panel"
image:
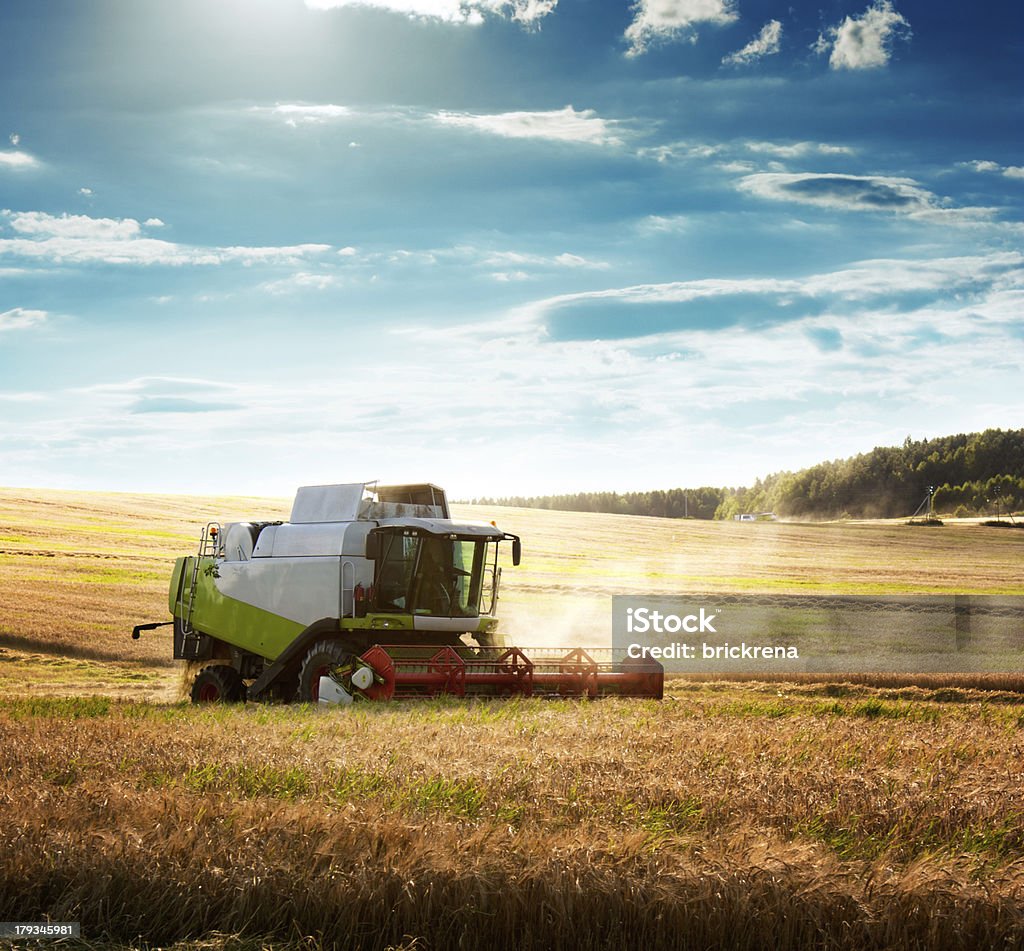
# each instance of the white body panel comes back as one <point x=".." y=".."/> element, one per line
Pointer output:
<point x="327" y="503"/>
<point x="303" y="590"/>
<point x="237" y="541"/>
<point x="298" y="541"/>
<point x="330" y="692"/>
<point x="313" y="540"/>
<point x="445" y="527"/>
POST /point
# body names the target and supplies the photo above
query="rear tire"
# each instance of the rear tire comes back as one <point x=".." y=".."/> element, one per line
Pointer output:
<point x="319" y="659"/>
<point x="218" y="683"/>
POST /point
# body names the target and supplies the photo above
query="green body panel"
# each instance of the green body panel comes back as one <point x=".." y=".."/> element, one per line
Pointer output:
<point x="235" y="622"/>
<point x="406" y="622"/>
<point x="378" y="622"/>
<point x="175" y="587"/>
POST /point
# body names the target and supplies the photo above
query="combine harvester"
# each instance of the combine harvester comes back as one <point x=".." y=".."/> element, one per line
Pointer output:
<point x="367" y="592"/>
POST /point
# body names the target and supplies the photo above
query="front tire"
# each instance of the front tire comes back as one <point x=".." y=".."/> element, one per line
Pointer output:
<point x="218" y="683"/>
<point x="318" y="662"/>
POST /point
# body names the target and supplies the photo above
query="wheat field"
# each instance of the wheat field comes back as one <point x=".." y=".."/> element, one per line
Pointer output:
<point x="80" y="569"/>
<point x="869" y="813"/>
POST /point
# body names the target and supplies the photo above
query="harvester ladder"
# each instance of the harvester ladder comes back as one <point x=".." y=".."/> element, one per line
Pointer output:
<point x="209" y="544"/>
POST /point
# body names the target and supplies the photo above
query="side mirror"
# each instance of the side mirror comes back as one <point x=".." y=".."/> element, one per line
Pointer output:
<point x="517" y="551"/>
<point x="373" y="541"/>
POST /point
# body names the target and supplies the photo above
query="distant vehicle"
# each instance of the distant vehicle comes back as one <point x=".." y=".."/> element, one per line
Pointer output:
<point x="756" y="517"/>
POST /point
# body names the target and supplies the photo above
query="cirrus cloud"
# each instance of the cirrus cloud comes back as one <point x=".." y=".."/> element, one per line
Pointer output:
<point x="876" y="193"/>
<point x="557" y="125"/>
<point x="766" y="43"/>
<point x="19" y="318"/>
<point x="79" y="239"/>
<point x="467" y="12"/>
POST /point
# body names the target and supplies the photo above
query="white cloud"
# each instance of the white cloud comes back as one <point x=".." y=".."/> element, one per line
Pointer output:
<point x="1009" y="171"/>
<point x="72" y="226"/>
<point x="507" y="276"/>
<point x="574" y="260"/>
<point x="875" y="280"/>
<point x="683" y="150"/>
<point x="85" y="192"/>
<point x="301" y="281"/>
<point x="23" y="397"/>
<point x="762" y="395"/>
<point x="79" y="239"/>
<point x="877" y="193"/>
<point x="18" y="318"/>
<point x="665" y="20"/>
<point x="766" y="43"/>
<point x="523" y="259"/>
<point x="17" y="160"/>
<point x="982" y="166"/>
<point x="296" y="113"/>
<point x="679" y="150"/>
<point x="737" y="167"/>
<point x="664" y="224"/>
<point x="838" y="365"/>
<point x="504" y="265"/>
<point x="797" y="149"/>
<point x="157" y="386"/>
<point x="464" y="12"/>
<point x="558" y="125"/>
<point x="864" y="42"/>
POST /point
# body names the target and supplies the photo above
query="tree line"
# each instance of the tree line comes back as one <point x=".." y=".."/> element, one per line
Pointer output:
<point x="970" y="474"/>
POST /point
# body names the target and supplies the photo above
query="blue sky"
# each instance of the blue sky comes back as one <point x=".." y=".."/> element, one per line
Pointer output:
<point x="509" y="246"/>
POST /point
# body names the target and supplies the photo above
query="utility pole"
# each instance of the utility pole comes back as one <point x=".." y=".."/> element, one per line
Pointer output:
<point x="999" y="502"/>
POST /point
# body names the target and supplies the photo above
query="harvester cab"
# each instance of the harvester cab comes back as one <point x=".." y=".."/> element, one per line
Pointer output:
<point x="366" y="592"/>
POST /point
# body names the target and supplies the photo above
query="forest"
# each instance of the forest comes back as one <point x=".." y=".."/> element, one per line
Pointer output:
<point x="970" y="474"/>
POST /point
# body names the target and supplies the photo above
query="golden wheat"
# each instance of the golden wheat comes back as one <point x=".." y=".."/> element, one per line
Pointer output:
<point x="732" y="818"/>
<point x="880" y="812"/>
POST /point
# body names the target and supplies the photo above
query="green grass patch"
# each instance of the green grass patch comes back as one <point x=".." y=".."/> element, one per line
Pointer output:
<point x="457" y="798"/>
<point x="452" y="797"/>
<point x="250" y="780"/>
<point x="753" y="708"/>
<point x="57" y="671"/>
<point x="900" y="842"/>
<point x="108" y="575"/>
<point x="63" y="707"/>
<point x="668" y="818"/>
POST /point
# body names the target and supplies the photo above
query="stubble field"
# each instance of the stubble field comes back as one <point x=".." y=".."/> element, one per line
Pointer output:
<point x="849" y="815"/>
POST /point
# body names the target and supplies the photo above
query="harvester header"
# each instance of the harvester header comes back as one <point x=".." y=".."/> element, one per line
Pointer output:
<point x="366" y="592"/>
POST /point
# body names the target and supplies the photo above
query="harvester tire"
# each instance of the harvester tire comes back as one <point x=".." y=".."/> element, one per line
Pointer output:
<point x="218" y="683"/>
<point x="320" y="658"/>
